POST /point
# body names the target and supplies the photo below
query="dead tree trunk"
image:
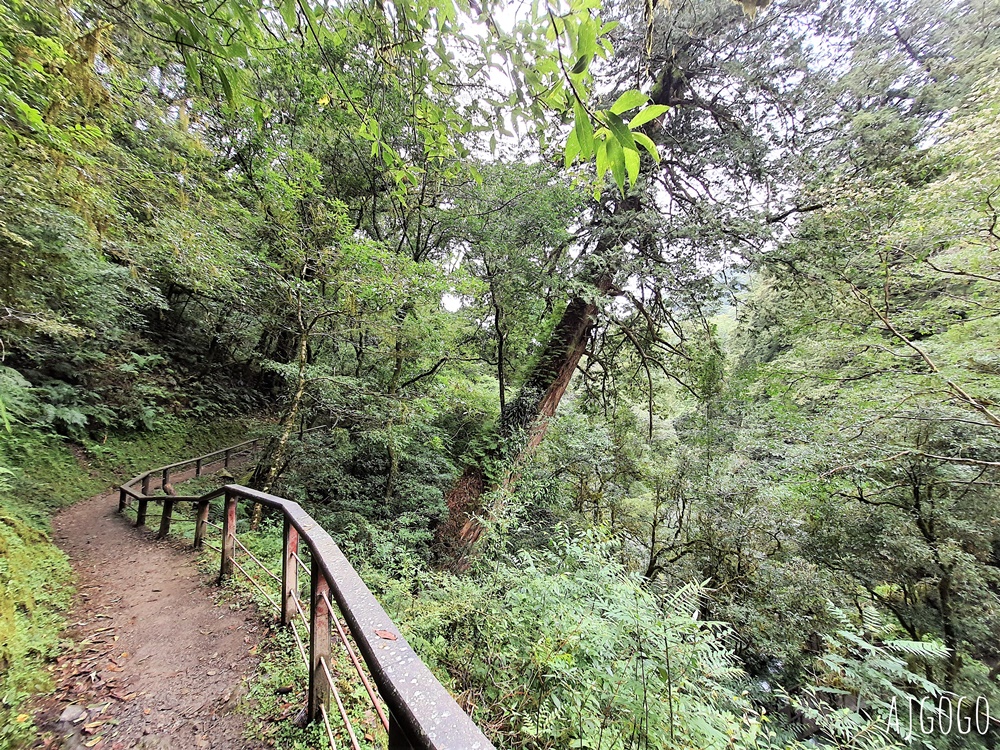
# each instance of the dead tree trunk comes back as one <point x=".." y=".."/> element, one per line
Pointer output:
<point x="523" y="423"/>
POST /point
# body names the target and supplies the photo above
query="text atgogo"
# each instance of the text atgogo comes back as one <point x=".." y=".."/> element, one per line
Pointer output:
<point x="944" y="716"/>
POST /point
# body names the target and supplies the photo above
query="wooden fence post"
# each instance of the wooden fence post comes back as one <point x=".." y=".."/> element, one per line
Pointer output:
<point x="319" y="643"/>
<point x="168" y="512"/>
<point x="165" y="480"/>
<point x="289" y="573"/>
<point x="201" y="523"/>
<point x="197" y="468"/>
<point x="228" y="536"/>
<point x="145" y="485"/>
<point x="122" y="499"/>
<point x="225" y="460"/>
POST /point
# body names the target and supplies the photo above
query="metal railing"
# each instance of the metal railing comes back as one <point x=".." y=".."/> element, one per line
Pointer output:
<point x="410" y="706"/>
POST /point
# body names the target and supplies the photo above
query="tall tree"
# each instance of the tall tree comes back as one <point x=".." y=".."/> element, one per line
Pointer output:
<point x="708" y="184"/>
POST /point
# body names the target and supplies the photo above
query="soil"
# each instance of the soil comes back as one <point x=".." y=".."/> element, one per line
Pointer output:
<point x="158" y="662"/>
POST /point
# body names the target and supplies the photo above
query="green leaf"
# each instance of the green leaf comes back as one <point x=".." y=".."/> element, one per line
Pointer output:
<point x="4" y="417"/>
<point x="572" y="148"/>
<point x="581" y="64"/>
<point x="602" y="159"/>
<point x="628" y="100"/>
<point x="584" y="130"/>
<point x="632" y="165"/>
<point x="191" y="66"/>
<point x="587" y="40"/>
<point x="622" y="134"/>
<point x="646" y="114"/>
<point x="227" y="87"/>
<point x="616" y="160"/>
<point x="647" y="143"/>
<point x="289" y="13"/>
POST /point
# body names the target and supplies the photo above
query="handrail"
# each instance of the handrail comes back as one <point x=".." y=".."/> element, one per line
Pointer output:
<point x="199" y="461"/>
<point x="422" y="714"/>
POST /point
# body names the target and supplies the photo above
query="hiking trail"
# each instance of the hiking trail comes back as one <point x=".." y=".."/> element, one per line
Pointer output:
<point x="157" y="663"/>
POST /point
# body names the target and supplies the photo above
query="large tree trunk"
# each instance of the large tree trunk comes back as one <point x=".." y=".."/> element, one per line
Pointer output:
<point x="270" y="465"/>
<point x="523" y="423"/>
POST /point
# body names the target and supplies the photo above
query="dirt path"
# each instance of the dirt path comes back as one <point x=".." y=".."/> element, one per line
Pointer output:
<point x="159" y="663"/>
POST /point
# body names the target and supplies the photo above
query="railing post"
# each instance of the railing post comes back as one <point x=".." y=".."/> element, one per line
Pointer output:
<point x="168" y="512"/>
<point x="225" y="460"/>
<point x="319" y="642"/>
<point x="197" y="468"/>
<point x="228" y="536"/>
<point x="122" y="499"/>
<point x="397" y="738"/>
<point x="201" y="523"/>
<point x="289" y="573"/>
<point x="145" y="485"/>
<point x="140" y="514"/>
<point x="165" y="480"/>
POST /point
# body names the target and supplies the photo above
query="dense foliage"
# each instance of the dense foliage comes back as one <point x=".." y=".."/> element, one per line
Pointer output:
<point x="658" y="341"/>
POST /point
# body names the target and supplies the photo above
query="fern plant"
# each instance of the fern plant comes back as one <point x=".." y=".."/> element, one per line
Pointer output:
<point x="862" y="675"/>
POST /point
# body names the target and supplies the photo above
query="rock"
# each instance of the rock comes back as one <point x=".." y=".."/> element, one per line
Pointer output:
<point x="154" y="742"/>
<point x="74" y="741"/>
<point x="73" y="714"/>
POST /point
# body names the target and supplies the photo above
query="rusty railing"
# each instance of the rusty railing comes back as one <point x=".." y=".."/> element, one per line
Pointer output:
<point x="411" y="708"/>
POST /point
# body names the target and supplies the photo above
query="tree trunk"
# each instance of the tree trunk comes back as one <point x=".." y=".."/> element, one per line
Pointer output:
<point x="277" y="456"/>
<point x="523" y="424"/>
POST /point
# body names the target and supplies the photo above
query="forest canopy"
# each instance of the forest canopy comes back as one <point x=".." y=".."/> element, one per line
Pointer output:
<point x="658" y="342"/>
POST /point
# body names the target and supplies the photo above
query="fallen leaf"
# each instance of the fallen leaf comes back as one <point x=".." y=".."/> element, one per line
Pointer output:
<point x="387" y="634"/>
<point x="21" y="718"/>
<point x="93" y="742"/>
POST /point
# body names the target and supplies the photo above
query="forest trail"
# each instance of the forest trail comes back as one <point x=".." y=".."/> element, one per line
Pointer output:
<point x="157" y="663"/>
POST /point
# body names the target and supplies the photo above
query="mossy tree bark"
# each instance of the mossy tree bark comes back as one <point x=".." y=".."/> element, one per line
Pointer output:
<point x="523" y="423"/>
